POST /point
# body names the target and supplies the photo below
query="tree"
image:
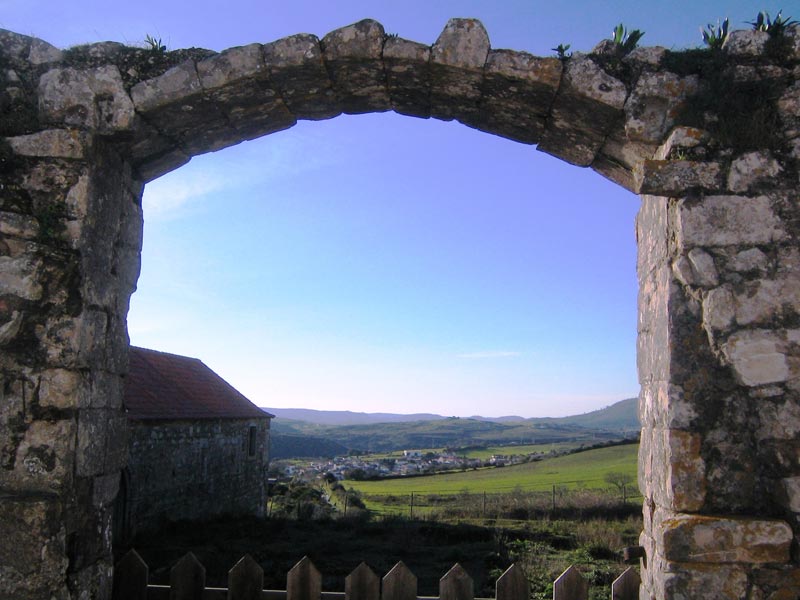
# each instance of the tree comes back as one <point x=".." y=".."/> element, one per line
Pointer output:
<point x="618" y="480"/>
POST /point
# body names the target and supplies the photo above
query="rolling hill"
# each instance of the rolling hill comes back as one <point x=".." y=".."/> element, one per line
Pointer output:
<point x="373" y="434"/>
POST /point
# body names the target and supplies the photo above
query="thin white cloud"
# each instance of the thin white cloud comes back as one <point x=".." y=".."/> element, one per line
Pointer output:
<point x="167" y="195"/>
<point x="255" y="163"/>
<point x="489" y="354"/>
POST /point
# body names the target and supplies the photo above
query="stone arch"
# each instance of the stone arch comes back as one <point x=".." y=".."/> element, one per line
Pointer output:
<point x="719" y="264"/>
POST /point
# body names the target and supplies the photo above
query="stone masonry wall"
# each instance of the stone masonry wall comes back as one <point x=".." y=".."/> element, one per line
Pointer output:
<point x="709" y="139"/>
<point x="165" y="484"/>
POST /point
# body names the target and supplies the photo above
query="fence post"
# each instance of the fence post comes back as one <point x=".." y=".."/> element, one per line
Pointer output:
<point x="187" y="579"/>
<point x="626" y="586"/>
<point x="362" y="584"/>
<point x="130" y="578"/>
<point x="571" y="585"/>
<point x="512" y="585"/>
<point x="304" y="581"/>
<point x="245" y="580"/>
<point x="456" y="585"/>
<point x="411" y="516"/>
<point x="399" y="584"/>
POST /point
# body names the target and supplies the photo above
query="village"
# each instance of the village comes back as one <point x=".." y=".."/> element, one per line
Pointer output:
<point x="409" y="463"/>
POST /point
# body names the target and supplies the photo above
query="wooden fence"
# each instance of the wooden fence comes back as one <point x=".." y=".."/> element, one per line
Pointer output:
<point x="304" y="582"/>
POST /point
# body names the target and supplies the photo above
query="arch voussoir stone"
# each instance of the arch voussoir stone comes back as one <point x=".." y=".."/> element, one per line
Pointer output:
<point x="457" y="66"/>
<point x="517" y="93"/>
<point x="353" y="56"/>
<point x="237" y="81"/>
<point x="588" y="105"/>
<point x="298" y="74"/>
<point x="718" y="350"/>
<point x="408" y="79"/>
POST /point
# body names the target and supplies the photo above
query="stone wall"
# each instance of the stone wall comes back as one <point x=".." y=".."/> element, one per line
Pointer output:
<point x="194" y="469"/>
<point x="710" y="139"/>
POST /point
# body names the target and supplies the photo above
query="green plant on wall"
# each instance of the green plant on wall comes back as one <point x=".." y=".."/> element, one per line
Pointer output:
<point x="154" y="44"/>
<point x="562" y="52"/>
<point x="715" y="37"/>
<point x="775" y="27"/>
<point x="625" y="41"/>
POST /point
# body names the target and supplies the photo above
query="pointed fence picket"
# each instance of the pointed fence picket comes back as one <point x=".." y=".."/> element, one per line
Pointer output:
<point x="304" y="582"/>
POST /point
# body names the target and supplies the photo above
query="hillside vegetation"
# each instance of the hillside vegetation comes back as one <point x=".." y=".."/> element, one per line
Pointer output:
<point x="613" y="422"/>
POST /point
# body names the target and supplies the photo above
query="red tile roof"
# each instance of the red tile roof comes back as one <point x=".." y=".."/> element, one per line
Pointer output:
<point x="167" y="386"/>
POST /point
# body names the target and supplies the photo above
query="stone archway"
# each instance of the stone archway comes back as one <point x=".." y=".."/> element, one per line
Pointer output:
<point x="711" y="141"/>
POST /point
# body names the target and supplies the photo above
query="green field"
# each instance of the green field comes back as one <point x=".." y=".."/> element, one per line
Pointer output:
<point x="579" y="470"/>
<point x="486" y="453"/>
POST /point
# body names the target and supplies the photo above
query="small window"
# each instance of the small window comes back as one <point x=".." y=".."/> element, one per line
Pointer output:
<point x="251" y="441"/>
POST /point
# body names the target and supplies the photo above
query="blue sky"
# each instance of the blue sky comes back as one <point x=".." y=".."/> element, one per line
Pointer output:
<point x="385" y="263"/>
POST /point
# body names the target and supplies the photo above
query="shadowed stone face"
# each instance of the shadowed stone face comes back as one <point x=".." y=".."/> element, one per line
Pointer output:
<point x="82" y="130"/>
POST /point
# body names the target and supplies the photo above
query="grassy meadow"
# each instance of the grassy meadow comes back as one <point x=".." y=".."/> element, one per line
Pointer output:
<point x="579" y="470"/>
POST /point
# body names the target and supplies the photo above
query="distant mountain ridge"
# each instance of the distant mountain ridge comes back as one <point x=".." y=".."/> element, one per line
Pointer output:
<point x="620" y="415"/>
<point x="346" y="417"/>
<point x="294" y="434"/>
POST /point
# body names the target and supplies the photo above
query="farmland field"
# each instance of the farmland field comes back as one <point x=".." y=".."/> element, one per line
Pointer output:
<point x="583" y="469"/>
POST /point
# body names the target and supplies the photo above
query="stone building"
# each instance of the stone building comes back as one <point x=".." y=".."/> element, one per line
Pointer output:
<point x="197" y="447"/>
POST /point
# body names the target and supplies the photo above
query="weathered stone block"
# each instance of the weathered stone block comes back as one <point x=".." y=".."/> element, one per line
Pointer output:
<point x="62" y="389"/>
<point x="779" y="419"/>
<point x="675" y="455"/>
<point x="746" y="42"/>
<point x="102" y="442"/>
<point x="408" y="76"/>
<point x="664" y="405"/>
<point x="236" y="80"/>
<point x="703" y="582"/>
<point x="706" y="539"/>
<point x="457" y="61"/>
<point x="42" y="53"/>
<point x="176" y="104"/>
<point x="652" y="224"/>
<point x="74" y="342"/>
<point x="18" y="225"/>
<point x="719" y="311"/>
<point x="653" y="105"/>
<point x="766" y="300"/>
<point x="92" y="99"/>
<point x="61" y="143"/>
<point x="727" y="220"/>
<point x="517" y="92"/>
<point x="751" y="170"/>
<point x="750" y="260"/>
<point x="588" y="104"/>
<point x="653" y="354"/>
<point x="757" y="356"/>
<point x="696" y="269"/>
<point x="297" y="71"/>
<point x="352" y="56"/>
<point x="675" y="178"/>
<point x="43" y="458"/>
<point x="179" y="85"/>
<point x="232" y="66"/>
<point x="33" y="560"/>
<point x="21" y="277"/>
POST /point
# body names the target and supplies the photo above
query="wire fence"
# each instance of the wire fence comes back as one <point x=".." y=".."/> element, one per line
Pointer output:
<point x="584" y="499"/>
